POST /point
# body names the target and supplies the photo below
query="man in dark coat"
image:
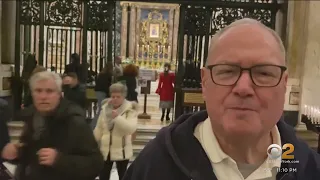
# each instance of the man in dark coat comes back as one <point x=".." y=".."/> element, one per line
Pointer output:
<point x="56" y="142"/>
<point x="73" y="91"/>
<point x="4" y="135"/>
<point x="30" y="68"/>
<point x="79" y="68"/>
<point x="242" y="134"/>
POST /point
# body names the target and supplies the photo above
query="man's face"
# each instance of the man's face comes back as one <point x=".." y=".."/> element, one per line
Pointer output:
<point x="70" y="81"/>
<point x="46" y="96"/>
<point x="244" y="108"/>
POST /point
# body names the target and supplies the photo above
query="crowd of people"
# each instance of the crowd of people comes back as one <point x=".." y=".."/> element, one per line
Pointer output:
<point x="57" y="142"/>
<point x="243" y="84"/>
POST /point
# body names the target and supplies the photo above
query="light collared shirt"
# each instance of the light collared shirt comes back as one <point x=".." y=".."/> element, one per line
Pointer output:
<point x="224" y="167"/>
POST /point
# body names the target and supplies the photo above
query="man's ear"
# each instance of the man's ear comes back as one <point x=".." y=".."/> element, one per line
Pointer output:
<point x="203" y="81"/>
<point x="285" y="78"/>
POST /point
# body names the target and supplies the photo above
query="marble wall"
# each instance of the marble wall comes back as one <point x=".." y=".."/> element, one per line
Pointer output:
<point x="310" y="79"/>
<point x="303" y="53"/>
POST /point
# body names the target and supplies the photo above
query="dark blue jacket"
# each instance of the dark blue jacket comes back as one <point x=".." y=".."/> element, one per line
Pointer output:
<point x="4" y="135"/>
<point x="175" y="154"/>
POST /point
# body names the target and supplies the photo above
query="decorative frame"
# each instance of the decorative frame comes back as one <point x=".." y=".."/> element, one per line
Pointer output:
<point x="154" y="30"/>
<point x="294" y="98"/>
<point x="154" y="26"/>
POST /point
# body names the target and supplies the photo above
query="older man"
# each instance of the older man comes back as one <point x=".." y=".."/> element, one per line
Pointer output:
<point x="56" y="142"/>
<point x="246" y="71"/>
<point x="73" y="91"/>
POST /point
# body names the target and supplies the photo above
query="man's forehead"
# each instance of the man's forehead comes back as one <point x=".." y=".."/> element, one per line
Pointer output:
<point x="247" y="33"/>
<point x="45" y="84"/>
<point x="40" y="88"/>
<point x="242" y="36"/>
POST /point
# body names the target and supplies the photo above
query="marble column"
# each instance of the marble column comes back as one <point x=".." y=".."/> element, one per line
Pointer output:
<point x="171" y="28"/>
<point x="0" y="31"/>
<point x="137" y="28"/>
<point x="8" y="26"/>
<point x="6" y="46"/>
<point x="310" y="51"/>
<point x="132" y="33"/>
<point x="175" y="34"/>
<point x="124" y="29"/>
<point x="295" y="49"/>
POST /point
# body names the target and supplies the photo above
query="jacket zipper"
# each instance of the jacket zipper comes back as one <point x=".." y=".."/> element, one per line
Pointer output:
<point x="283" y="176"/>
<point x="123" y="145"/>
<point x="110" y="139"/>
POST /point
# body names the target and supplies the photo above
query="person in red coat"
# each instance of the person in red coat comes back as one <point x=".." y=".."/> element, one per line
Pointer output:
<point x="166" y="91"/>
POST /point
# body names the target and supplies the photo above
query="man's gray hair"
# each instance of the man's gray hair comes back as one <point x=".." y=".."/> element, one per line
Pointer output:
<point x="119" y="88"/>
<point x="46" y="75"/>
<point x="248" y="21"/>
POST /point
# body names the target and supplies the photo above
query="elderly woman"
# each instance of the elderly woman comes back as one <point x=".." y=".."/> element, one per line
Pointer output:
<point x="116" y="123"/>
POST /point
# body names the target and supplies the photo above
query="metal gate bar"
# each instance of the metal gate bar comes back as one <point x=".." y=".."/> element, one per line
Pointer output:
<point x="54" y="29"/>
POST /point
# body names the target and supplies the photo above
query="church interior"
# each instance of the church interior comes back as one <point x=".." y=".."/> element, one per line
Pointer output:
<point x="149" y="35"/>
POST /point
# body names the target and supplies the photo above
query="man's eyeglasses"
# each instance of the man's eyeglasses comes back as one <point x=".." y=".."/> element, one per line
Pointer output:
<point x="261" y="75"/>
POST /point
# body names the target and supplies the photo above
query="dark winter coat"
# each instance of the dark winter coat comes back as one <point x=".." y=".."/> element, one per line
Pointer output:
<point x="176" y="154"/>
<point x="4" y="135"/>
<point x="66" y="131"/>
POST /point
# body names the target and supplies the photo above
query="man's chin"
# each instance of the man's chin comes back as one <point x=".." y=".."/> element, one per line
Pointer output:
<point x="44" y="108"/>
<point x="242" y="126"/>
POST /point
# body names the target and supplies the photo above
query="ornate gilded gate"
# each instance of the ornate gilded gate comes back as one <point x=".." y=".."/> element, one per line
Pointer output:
<point x="52" y="30"/>
<point x="198" y="23"/>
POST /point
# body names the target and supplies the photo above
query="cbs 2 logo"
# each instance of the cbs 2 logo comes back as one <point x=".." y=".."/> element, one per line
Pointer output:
<point x="287" y="154"/>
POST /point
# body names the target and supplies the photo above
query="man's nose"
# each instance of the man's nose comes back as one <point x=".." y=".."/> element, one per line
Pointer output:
<point x="43" y="95"/>
<point x="244" y="86"/>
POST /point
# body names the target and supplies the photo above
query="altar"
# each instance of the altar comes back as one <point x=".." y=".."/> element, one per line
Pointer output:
<point x="150" y="37"/>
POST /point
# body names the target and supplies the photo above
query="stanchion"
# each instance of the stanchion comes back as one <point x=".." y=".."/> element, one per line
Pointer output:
<point x="145" y="91"/>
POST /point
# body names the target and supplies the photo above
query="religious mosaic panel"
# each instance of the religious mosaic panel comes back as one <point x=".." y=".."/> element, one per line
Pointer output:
<point x="153" y="47"/>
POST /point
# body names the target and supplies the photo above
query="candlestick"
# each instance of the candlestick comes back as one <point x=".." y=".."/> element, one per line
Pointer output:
<point x="311" y="113"/>
<point x="137" y="52"/>
<point x="169" y="53"/>
<point x="305" y="110"/>
<point x="148" y="51"/>
<point x="318" y="113"/>
<point x="163" y="53"/>
<point x="142" y="52"/>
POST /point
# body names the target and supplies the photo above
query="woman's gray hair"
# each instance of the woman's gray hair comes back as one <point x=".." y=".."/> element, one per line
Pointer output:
<point x="119" y="88"/>
<point x="46" y="75"/>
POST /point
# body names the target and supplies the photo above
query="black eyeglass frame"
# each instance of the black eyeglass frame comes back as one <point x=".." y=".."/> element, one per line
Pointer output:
<point x="210" y="67"/>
